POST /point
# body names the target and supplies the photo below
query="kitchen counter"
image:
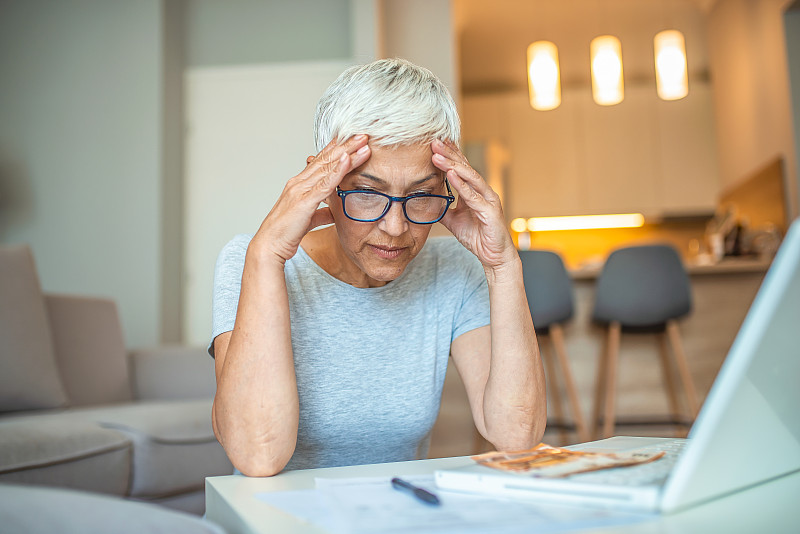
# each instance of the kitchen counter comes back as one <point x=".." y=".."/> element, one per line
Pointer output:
<point x="730" y="265"/>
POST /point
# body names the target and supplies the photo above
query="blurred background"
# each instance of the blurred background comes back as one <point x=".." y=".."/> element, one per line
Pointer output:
<point x="136" y="138"/>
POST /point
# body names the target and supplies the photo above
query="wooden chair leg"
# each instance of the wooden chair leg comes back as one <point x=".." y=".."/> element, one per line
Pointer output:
<point x="669" y="382"/>
<point x="557" y="336"/>
<point x="609" y="416"/>
<point x="553" y="390"/>
<point x="599" y="388"/>
<point x="683" y="367"/>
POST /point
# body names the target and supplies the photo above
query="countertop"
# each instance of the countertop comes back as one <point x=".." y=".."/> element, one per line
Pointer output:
<point x="729" y="265"/>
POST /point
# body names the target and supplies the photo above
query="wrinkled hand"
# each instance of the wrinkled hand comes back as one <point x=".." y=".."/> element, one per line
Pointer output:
<point x="297" y="210"/>
<point x="477" y="221"/>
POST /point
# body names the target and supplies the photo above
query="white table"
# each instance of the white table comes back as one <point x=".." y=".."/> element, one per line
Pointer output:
<point x="772" y="507"/>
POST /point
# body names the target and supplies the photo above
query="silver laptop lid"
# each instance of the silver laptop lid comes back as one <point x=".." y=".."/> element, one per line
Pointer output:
<point x="748" y="430"/>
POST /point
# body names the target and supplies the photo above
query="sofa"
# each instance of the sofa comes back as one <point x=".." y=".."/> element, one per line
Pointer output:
<point x="78" y="410"/>
<point x="28" y="509"/>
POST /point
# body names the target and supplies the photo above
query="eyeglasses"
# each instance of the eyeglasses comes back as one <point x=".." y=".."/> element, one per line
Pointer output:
<point x="419" y="208"/>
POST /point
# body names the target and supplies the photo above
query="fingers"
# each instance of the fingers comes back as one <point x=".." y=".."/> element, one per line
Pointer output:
<point x="337" y="160"/>
<point x="325" y="171"/>
<point x="470" y="186"/>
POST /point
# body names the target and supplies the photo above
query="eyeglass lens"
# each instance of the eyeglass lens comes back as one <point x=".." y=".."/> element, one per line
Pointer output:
<point x="368" y="206"/>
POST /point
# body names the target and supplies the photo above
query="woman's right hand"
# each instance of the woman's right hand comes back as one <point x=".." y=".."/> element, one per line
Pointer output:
<point x="297" y="210"/>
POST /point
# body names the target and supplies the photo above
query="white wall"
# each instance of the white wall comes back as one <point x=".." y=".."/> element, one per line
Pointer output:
<point x="747" y="51"/>
<point x="250" y="129"/>
<point x="254" y="72"/>
<point x="80" y="150"/>
<point x="239" y="32"/>
<point x="422" y="31"/>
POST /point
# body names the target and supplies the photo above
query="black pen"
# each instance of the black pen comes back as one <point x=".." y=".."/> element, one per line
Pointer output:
<point x="423" y="495"/>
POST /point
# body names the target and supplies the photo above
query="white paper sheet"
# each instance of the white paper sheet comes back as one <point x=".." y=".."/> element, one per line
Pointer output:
<point x="371" y="505"/>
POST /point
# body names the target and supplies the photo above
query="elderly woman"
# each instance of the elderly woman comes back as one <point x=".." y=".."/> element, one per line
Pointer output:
<point x="331" y="345"/>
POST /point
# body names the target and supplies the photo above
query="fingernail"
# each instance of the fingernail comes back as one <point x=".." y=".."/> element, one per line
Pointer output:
<point x="363" y="150"/>
<point x="360" y="137"/>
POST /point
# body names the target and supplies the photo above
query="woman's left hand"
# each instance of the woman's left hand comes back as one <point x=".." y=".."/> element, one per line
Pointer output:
<point x="477" y="221"/>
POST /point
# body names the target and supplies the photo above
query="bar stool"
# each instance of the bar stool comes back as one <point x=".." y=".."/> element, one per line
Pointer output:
<point x="642" y="289"/>
<point x="549" y="291"/>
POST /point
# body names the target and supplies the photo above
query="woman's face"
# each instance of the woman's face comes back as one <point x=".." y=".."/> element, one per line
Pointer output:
<point x="383" y="249"/>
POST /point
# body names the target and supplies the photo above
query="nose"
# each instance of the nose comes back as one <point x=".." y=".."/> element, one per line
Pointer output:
<point x="394" y="222"/>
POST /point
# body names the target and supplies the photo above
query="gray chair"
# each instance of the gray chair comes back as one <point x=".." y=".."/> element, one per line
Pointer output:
<point x="642" y="289"/>
<point x="549" y="291"/>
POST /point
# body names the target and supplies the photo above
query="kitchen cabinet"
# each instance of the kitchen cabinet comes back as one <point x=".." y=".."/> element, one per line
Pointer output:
<point x="642" y="155"/>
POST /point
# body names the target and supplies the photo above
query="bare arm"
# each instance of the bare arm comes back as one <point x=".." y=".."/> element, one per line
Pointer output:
<point x="256" y="411"/>
<point x="499" y="364"/>
<point x="256" y="407"/>
<point x="502" y="372"/>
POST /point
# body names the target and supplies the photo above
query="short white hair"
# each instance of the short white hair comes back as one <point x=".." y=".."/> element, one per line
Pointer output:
<point x="392" y="100"/>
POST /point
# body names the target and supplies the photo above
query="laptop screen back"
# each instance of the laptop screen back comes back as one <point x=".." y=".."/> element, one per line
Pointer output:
<point x="748" y="430"/>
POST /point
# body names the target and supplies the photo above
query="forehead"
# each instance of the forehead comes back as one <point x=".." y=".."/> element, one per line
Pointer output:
<point x="401" y="165"/>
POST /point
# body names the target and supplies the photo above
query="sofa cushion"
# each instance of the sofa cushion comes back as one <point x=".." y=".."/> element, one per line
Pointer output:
<point x="29" y="377"/>
<point x="174" y="447"/>
<point x="61" y="450"/>
<point x="193" y="502"/>
<point x="46" y="510"/>
<point x="153" y="372"/>
<point x="89" y="349"/>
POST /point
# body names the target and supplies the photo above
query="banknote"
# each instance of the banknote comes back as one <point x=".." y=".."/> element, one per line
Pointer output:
<point x="554" y="462"/>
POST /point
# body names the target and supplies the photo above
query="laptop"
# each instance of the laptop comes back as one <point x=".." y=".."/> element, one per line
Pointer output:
<point x="747" y="432"/>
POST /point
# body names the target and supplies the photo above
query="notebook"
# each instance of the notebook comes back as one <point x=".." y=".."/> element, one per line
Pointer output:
<point x="747" y="432"/>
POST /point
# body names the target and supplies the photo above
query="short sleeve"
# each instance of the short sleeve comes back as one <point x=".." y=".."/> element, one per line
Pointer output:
<point x="474" y="309"/>
<point x="227" y="286"/>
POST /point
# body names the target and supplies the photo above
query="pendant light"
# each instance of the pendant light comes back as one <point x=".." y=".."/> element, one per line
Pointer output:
<point x="672" y="79"/>
<point x="607" y="80"/>
<point x="544" y="79"/>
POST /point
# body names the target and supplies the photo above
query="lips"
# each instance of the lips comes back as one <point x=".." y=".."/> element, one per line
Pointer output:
<point x="388" y="253"/>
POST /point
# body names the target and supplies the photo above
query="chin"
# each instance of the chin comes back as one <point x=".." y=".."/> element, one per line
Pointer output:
<point x="386" y="273"/>
<point x="385" y="270"/>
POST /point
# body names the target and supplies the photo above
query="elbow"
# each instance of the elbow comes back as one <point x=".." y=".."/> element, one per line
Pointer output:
<point x="260" y="460"/>
<point x="538" y="424"/>
<point x="259" y="466"/>
<point x="264" y="460"/>
<point x="526" y="433"/>
<point x="254" y="454"/>
<point x="538" y="428"/>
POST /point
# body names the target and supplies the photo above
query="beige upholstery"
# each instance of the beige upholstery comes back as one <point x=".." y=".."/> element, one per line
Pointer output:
<point x="76" y="411"/>
<point x="33" y="510"/>
<point x="64" y="452"/>
<point x="83" y="328"/>
<point x="29" y="376"/>
<point x="170" y="373"/>
<point x="173" y="444"/>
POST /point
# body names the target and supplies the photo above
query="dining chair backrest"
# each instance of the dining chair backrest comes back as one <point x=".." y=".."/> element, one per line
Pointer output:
<point x="547" y="286"/>
<point x="642" y="286"/>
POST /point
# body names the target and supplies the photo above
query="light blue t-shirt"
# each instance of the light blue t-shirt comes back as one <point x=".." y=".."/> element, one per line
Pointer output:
<point x="370" y="362"/>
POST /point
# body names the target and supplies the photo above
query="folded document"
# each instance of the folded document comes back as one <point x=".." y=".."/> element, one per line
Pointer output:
<point x="555" y="462"/>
